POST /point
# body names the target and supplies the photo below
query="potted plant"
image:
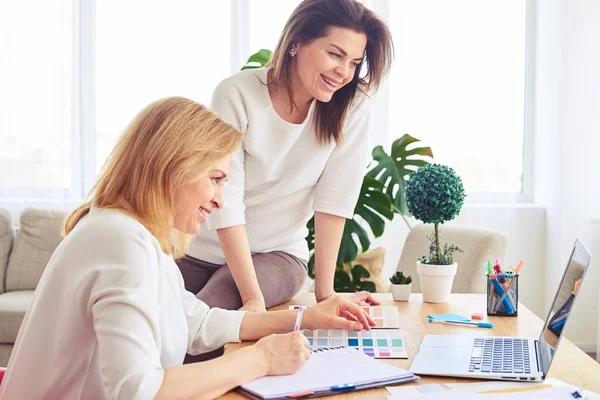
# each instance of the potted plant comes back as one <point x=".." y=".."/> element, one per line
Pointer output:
<point x="434" y="195"/>
<point x="381" y="196"/>
<point x="401" y="286"/>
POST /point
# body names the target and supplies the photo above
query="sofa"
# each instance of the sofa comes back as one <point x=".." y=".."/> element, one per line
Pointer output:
<point x="24" y="253"/>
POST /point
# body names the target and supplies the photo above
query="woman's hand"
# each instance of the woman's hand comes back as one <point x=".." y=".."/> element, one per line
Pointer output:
<point x="284" y="354"/>
<point x="254" y="305"/>
<point x="337" y="313"/>
<point x="364" y="298"/>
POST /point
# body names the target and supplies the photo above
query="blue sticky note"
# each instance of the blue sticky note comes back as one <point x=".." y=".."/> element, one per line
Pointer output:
<point x="449" y="317"/>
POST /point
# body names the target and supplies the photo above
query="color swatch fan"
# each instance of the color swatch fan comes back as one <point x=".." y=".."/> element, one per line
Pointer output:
<point x="382" y="343"/>
<point x="384" y="317"/>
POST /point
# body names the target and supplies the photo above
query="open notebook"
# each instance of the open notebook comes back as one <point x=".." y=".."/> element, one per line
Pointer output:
<point x="328" y="371"/>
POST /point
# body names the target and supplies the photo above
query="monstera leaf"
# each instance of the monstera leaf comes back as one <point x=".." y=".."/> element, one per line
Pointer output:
<point x="372" y="206"/>
<point x="392" y="170"/>
<point x="258" y="60"/>
<point x="344" y="283"/>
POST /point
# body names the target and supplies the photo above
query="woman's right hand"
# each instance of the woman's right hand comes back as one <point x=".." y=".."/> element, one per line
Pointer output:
<point x="284" y="354"/>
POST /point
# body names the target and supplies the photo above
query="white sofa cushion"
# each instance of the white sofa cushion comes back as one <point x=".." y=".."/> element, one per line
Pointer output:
<point x="39" y="234"/>
<point x="6" y="242"/>
<point x="13" y="306"/>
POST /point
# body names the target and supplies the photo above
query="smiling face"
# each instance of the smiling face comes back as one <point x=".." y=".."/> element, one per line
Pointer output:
<point x="197" y="198"/>
<point x="326" y="64"/>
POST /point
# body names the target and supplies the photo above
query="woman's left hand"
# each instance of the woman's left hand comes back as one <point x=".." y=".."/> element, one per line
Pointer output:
<point x="337" y="313"/>
<point x="364" y="298"/>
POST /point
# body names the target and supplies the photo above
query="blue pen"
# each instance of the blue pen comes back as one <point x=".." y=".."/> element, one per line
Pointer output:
<point x="345" y="386"/>
<point x="498" y="288"/>
<point x="477" y="324"/>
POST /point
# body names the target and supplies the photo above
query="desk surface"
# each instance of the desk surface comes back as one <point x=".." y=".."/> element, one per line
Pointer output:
<point x="571" y="365"/>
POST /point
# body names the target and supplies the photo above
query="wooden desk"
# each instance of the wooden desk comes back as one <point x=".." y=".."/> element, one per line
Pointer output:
<point x="571" y="365"/>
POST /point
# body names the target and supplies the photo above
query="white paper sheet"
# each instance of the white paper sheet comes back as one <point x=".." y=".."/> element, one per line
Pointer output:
<point x="448" y="390"/>
<point x="326" y="369"/>
<point x="545" y="394"/>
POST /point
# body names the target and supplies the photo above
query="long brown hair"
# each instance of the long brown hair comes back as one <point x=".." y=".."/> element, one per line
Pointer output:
<point x="313" y="19"/>
<point x="167" y="144"/>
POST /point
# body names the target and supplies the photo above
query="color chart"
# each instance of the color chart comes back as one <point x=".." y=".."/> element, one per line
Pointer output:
<point x="383" y="343"/>
<point x="385" y="317"/>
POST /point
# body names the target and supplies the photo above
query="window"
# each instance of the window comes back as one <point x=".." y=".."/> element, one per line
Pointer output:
<point x="458" y="84"/>
<point x="147" y="50"/>
<point x="36" y="98"/>
<point x="267" y="19"/>
<point x="75" y="73"/>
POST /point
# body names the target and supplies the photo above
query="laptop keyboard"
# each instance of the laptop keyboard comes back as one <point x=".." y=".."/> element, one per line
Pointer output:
<point x="500" y="355"/>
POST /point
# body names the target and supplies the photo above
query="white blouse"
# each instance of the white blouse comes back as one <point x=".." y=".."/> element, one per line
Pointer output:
<point x="110" y="312"/>
<point x="281" y="175"/>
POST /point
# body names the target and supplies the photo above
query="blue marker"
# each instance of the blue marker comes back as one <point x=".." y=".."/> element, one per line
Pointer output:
<point x="507" y="305"/>
<point x="477" y="324"/>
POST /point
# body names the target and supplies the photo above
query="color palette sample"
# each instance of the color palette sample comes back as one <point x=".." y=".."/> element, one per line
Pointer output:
<point x="384" y="317"/>
<point x="382" y="343"/>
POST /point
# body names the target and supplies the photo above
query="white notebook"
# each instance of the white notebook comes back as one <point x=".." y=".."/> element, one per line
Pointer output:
<point x="329" y="371"/>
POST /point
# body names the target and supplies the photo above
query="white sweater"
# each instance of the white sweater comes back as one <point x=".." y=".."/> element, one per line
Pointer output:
<point x="281" y="175"/>
<point x="110" y="312"/>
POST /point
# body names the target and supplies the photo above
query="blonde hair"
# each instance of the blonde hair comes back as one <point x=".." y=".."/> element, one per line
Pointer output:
<point x="162" y="148"/>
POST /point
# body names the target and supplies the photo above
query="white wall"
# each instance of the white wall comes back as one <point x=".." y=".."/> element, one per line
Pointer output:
<point x="580" y="189"/>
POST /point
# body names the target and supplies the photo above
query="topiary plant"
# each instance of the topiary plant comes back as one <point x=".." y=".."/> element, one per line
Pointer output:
<point x="434" y="195"/>
<point x="399" y="279"/>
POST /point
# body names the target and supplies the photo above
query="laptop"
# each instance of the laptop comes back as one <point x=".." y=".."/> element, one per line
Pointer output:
<point x="506" y="358"/>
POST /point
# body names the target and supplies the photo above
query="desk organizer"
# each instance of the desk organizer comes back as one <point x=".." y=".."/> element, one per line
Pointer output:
<point x="503" y="295"/>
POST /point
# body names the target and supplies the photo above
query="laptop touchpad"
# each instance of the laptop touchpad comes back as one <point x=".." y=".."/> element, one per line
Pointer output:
<point x="444" y="353"/>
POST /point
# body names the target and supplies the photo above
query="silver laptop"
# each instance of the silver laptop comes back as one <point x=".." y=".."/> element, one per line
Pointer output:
<point x="502" y="357"/>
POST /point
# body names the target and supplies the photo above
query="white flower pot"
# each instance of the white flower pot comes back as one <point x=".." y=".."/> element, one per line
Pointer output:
<point x="436" y="281"/>
<point x="400" y="292"/>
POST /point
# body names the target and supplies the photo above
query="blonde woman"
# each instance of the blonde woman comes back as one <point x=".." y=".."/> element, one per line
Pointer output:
<point x="305" y="120"/>
<point x="111" y="318"/>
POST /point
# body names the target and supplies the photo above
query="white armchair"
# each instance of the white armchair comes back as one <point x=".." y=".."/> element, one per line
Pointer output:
<point x="479" y="245"/>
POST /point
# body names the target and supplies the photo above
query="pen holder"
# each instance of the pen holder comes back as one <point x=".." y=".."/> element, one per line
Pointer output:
<point x="503" y="295"/>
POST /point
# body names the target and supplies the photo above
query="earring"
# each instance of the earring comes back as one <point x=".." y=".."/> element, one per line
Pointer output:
<point x="292" y="51"/>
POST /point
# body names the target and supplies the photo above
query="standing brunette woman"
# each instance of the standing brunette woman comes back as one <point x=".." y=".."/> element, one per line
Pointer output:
<point x="305" y="121"/>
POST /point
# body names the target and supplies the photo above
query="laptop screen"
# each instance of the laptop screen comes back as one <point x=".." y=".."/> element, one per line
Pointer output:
<point x="563" y="304"/>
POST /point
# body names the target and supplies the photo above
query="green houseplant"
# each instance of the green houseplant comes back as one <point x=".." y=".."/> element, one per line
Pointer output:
<point x="258" y="59"/>
<point x="381" y="197"/>
<point x="434" y="195"/>
<point x="401" y="286"/>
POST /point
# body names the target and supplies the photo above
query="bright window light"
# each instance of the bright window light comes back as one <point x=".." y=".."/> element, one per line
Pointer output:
<point x="458" y="84"/>
<point x="147" y="50"/>
<point x="35" y="96"/>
